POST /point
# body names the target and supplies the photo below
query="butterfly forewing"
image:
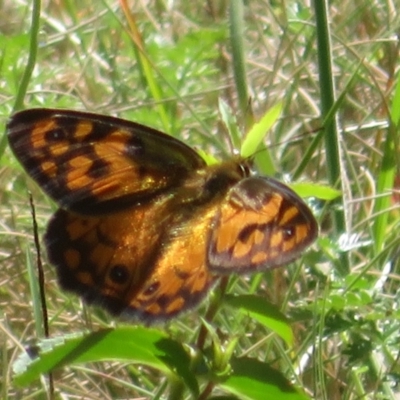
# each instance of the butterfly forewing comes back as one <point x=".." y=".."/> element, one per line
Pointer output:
<point x="93" y="164"/>
<point x="261" y="224"/>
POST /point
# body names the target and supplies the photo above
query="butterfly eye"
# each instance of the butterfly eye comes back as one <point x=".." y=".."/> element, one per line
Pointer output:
<point x="119" y="274"/>
<point x="244" y="169"/>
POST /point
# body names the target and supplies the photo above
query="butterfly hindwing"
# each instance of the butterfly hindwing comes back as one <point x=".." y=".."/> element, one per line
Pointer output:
<point x="130" y="265"/>
<point x="260" y="224"/>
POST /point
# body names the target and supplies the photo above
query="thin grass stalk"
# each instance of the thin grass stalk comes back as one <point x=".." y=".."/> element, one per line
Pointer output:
<point x="387" y="174"/>
<point x="30" y="65"/>
<point x="33" y="47"/>
<point x="335" y="170"/>
<point x="146" y="66"/>
<point x="239" y="67"/>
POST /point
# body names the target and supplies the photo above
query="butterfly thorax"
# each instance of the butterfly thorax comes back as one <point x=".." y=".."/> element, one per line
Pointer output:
<point x="210" y="184"/>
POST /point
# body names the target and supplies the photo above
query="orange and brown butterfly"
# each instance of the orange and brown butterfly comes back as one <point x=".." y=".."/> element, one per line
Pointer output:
<point x="145" y="226"/>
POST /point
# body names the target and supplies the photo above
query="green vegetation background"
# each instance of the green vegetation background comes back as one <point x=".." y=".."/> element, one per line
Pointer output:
<point x="170" y="65"/>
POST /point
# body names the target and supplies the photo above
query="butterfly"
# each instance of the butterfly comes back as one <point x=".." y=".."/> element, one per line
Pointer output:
<point x="145" y="227"/>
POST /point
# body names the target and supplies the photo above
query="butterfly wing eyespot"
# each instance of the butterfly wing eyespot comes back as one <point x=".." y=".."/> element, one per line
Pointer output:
<point x="262" y="224"/>
<point x="93" y="164"/>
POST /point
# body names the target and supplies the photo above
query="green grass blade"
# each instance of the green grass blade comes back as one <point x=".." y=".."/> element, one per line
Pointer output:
<point x="258" y="131"/>
<point x="332" y="140"/>
<point x="239" y="67"/>
<point x="147" y="67"/>
<point x="26" y="77"/>
<point x="387" y="174"/>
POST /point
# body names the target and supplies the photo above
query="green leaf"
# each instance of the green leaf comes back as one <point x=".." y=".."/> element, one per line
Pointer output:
<point x="264" y="312"/>
<point x="11" y="50"/>
<point x="135" y="344"/>
<point x="254" y="380"/>
<point x="322" y="192"/>
<point x="258" y="131"/>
